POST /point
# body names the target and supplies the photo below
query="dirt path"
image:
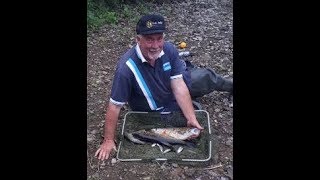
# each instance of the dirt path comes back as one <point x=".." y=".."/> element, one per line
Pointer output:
<point x="206" y="26"/>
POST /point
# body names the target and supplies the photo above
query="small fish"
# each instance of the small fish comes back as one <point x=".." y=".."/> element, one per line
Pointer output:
<point x="160" y="147"/>
<point x="165" y="151"/>
<point x="179" y="150"/>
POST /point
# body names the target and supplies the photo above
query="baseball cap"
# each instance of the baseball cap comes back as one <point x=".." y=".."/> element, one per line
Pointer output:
<point x="151" y="24"/>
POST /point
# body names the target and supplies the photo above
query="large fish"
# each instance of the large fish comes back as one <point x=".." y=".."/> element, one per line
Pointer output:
<point x="165" y="136"/>
<point x="182" y="133"/>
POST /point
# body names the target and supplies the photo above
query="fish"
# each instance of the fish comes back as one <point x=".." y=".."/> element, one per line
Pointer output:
<point x="160" y="147"/>
<point x="130" y="137"/>
<point x="148" y="136"/>
<point x="165" y="136"/>
<point x="165" y="151"/>
<point x="182" y="133"/>
<point x="168" y="150"/>
<point x="179" y="150"/>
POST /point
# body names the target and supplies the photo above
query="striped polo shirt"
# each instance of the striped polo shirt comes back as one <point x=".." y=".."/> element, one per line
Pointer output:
<point x="143" y="87"/>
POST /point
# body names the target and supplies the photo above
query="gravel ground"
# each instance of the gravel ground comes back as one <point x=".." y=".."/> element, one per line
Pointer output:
<point x="206" y="26"/>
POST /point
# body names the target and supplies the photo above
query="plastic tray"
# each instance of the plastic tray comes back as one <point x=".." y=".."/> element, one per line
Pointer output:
<point x="133" y="121"/>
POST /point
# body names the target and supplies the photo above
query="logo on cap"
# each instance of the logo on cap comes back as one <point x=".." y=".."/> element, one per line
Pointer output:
<point x="149" y="24"/>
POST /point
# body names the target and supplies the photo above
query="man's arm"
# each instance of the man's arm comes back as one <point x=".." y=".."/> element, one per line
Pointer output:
<point x="110" y="126"/>
<point x="182" y="95"/>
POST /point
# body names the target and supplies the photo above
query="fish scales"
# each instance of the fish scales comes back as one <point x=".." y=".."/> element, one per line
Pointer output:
<point x="181" y="133"/>
<point x="149" y="136"/>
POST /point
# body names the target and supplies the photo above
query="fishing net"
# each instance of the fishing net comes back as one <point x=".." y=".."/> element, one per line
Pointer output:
<point x="134" y="121"/>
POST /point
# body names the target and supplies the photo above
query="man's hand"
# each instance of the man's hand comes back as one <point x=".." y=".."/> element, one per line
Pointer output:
<point x="105" y="149"/>
<point x="194" y="123"/>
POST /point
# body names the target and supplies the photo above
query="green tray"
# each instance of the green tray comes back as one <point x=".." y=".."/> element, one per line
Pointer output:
<point x="133" y="121"/>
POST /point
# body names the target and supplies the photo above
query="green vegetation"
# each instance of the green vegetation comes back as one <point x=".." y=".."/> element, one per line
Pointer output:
<point x="101" y="12"/>
<point x="98" y="13"/>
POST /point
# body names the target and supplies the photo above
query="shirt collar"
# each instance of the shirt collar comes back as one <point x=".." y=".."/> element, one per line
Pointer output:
<point x="139" y="53"/>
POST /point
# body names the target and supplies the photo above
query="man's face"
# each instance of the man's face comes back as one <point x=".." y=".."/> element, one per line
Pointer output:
<point x="151" y="45"/>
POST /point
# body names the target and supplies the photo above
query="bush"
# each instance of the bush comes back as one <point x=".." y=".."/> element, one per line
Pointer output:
<point x="100" y="12"/>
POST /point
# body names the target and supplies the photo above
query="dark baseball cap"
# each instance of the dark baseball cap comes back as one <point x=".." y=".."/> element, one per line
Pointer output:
<point x="151" y="24"/>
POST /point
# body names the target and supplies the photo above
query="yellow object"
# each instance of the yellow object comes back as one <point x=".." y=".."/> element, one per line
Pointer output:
<point x="183" y="45"/>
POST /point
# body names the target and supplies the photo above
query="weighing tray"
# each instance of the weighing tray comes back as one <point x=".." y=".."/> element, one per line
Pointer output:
<point x="133" y="121"/>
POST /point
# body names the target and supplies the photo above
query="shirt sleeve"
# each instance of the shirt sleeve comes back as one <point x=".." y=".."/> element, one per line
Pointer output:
<point x="176" y="64"/>
<point x="121" y="88"/>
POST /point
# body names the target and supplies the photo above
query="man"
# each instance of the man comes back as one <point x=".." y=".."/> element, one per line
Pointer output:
<point x="149" y="77"/>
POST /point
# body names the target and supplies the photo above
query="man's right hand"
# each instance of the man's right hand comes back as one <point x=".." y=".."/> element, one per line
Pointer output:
<point x="194" y="123"/>
<point x="105" y="149"/>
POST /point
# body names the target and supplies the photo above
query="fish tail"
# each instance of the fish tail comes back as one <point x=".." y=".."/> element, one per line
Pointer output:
<point x="167" y="144"/>
<point x="131" y="138"/>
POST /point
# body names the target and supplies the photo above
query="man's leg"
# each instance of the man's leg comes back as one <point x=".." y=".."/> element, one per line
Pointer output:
<point x="219" y="83"/>
<point x="206" y="80"/>
<point x="201" y="81"/>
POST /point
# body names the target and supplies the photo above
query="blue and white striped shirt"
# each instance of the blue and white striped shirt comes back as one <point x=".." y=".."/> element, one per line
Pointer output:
<point x="144" y="87"/>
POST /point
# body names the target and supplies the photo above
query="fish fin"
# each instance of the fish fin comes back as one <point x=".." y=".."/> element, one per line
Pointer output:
<point x="167" y="144"/>
<point x="190" y="144"/>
